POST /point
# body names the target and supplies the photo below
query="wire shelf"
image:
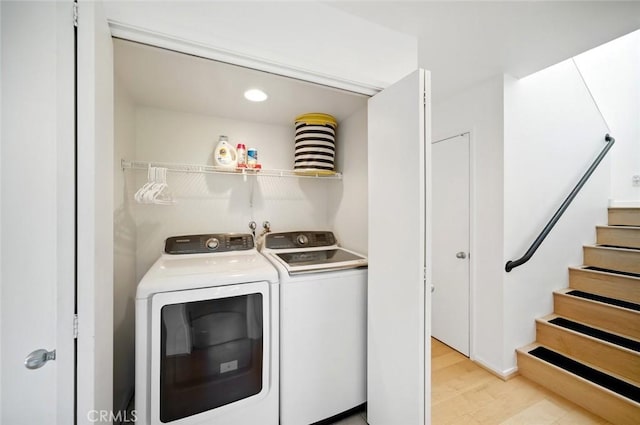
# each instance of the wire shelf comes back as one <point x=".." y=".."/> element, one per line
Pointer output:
<point x="210" y="169"/>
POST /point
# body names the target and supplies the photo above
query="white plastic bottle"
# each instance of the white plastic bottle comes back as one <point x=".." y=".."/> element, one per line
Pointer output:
<point x="225" y="154"/>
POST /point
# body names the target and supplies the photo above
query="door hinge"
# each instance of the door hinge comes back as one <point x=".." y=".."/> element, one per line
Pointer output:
<point x="75" y="14"/>
<point x="75" y="326"/>
<point x="424" y="98"/>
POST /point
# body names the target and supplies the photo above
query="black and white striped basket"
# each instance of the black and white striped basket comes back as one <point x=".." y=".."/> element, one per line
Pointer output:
<point x="315" y="145"/>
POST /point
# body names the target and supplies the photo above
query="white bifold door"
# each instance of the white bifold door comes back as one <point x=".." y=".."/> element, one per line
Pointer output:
<point x="398" y="365"/>
<point x="37" y="213"/>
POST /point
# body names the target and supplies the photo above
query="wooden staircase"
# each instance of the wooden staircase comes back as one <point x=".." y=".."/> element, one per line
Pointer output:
<point x="588" y="350"/>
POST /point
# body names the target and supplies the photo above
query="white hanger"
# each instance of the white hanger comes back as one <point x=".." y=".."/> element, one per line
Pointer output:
<point x="155" y="190"/>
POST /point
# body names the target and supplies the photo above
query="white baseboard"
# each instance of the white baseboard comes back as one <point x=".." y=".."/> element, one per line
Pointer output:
<point x="505" y="375"/>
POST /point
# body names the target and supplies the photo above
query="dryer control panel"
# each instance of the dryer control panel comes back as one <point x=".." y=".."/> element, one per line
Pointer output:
<point x="214" y="242"/>
<point x="288" y="240"/>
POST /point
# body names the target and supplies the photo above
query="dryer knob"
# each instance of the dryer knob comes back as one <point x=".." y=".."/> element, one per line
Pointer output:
<point x="213" y="243"/>
<point x="302" y="239"/>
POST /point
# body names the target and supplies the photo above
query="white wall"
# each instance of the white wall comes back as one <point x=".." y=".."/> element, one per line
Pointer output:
<point x="480" y="111"/>
<point x="302" y="39"/>
<point x="612" y="73"/>
<point x="350" y="216"/>
<point x="124" y="266"/>
<point x="553" y="132"/>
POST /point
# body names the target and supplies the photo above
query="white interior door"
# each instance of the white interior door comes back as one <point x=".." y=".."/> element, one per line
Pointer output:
<point x="450" y="310"/>
<point x="37" y="211"/>
<point x="398" y="378"/>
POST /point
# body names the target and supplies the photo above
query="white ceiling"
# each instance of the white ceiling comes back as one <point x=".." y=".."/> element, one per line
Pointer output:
<point x="169" y="80"/>
<point x="463" y="43"/>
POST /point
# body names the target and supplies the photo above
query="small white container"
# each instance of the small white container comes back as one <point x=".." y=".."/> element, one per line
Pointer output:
<point x="252" y="157"/>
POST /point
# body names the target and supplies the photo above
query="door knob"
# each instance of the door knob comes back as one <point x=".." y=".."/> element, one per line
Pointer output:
<point x="461" y="254"/>
<point x="36" y="359"/>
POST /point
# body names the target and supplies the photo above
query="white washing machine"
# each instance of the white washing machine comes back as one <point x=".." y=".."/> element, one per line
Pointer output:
<point x="207" y="334"/>
<point x="323" y="325"/>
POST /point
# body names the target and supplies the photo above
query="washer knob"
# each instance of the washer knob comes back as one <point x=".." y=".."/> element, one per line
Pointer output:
<point x="302" y="239"/>
<point x="212" y="243"/>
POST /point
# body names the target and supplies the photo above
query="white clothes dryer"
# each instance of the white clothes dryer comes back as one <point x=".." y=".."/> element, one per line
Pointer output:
<point x="207" y="335"/>
<point x="323" y="326"/>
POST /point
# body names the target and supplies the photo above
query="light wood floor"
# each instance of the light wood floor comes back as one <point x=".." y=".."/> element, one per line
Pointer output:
<point x="464" y="393"/>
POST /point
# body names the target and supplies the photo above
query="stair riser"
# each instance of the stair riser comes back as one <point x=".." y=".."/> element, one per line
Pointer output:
<point x="612" y="259"/>
<point x="593" y="398"/>
<point x="617" y="360"/>
<point x="608" y="285"/>
<point x="619" y="236"/>
<point x="611" y="318"/>
<point x="624" y="216"/>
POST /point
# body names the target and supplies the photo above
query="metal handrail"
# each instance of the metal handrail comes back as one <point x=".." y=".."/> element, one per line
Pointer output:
<point x="536" y="244"/>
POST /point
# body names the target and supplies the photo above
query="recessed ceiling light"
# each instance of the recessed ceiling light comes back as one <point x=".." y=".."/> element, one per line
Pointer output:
<point x="255" y="95"/>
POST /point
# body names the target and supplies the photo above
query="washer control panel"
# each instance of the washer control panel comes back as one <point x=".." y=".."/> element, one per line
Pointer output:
<point x="288" y="240"/>
<point x="215" y="242"/>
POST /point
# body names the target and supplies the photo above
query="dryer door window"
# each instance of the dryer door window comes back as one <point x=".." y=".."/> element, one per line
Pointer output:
<point x="211" y="353"/>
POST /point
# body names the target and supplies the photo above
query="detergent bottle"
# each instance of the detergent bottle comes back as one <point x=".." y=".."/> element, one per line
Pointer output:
<point x="225" y="154"/>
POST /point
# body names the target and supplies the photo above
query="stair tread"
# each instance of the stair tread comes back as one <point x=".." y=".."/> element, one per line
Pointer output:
<point x="610" y="272"/>
<point x="584" y="371"/>
<point x="617" y="226"/>
<point x="528" y="348"/>
<point x="607" y="300"/>
<point x="605" y="245"/>
<point x="612" y="302"/>
<point x="592" y="332"/>
<point x="613" y="248"/>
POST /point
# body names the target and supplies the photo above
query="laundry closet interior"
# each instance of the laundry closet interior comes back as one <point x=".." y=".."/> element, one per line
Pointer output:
<point x="170" y="110"/>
